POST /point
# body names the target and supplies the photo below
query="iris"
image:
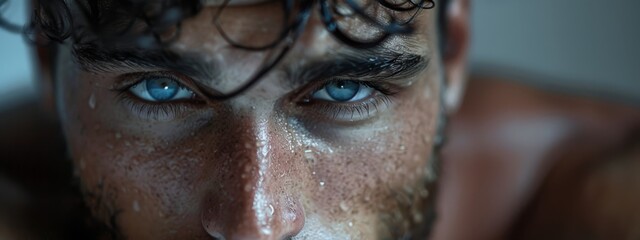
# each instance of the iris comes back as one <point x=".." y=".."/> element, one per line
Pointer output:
<point x="162" y="89"/>
<point x="342" y="91"/>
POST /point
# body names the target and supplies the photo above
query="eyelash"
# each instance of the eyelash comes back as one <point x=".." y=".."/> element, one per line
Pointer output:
<point x="153" y="110"/>
<point x="382" y="97"/>
<point x="355" y="111"/>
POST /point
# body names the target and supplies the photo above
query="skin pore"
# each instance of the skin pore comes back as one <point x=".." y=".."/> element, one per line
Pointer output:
<point x="283" y="159"/>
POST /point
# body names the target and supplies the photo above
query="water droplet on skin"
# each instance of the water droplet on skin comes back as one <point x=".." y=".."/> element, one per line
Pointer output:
<point x="265" y="231"/>
<point x="92" y="101"/>
<point x="271" y="210"/>
<point x="309" y="155"/>
<point x="343" y="206"/>
<point x="321" y="183"/>
<point x="343" y="10"/>
<point x="350" y="224"/>
<point x="136" y="206"/>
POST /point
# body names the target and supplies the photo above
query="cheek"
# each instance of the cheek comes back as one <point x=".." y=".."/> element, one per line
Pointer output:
<point x="139" y="180"/>
<point x="379" y="175"/>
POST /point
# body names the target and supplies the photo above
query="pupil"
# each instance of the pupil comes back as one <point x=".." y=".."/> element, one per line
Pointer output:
<point x="162" y="89"/>
<point x="343" y="91"/>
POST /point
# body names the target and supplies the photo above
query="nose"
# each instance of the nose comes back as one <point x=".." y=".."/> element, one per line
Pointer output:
<point x="255" y="198"/>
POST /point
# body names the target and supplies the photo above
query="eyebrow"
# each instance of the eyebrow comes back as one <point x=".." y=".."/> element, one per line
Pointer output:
<point x="376" y="64"/>
<point x="99" y="60"/>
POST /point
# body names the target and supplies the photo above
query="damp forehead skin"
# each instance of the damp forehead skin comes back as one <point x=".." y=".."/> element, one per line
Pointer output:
<point x="255" y="166"/>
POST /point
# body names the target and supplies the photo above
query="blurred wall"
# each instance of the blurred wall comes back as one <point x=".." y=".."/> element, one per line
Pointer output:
<point x="15" y="60"/>
<point x="591" y="46"/>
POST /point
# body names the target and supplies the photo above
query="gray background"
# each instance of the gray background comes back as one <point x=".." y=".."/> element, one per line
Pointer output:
<point x="587" y="46"/>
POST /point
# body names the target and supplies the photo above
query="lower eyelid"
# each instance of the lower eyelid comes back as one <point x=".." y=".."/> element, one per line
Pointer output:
<point x="350" y="112"/>
<point x="154" y="111"/>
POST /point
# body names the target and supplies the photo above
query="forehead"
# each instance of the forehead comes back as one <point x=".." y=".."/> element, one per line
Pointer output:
<point x="214" y="38"/>
<point x="359" y="20"/>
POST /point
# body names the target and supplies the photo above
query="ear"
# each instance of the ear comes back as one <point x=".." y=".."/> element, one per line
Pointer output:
<point x="455" y="53"/>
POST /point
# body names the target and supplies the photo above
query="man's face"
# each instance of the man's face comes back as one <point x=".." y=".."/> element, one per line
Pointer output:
<point x="318" y="149"/>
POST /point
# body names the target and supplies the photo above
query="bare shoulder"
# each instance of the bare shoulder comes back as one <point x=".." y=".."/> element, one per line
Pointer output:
<point x="554" y="165"/>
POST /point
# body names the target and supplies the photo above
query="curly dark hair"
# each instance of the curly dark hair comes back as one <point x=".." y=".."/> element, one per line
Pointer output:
<point x="103" y="22"/>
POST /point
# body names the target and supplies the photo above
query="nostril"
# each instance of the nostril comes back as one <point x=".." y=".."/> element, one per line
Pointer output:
<point x="211" y="230"/>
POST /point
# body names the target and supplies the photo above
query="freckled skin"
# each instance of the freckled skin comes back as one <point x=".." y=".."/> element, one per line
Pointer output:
<point x="261" y="165"/>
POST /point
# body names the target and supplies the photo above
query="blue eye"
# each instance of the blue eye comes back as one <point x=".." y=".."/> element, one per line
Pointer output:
<point x="343" y="91"/>
<point x="160" y="89"/>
